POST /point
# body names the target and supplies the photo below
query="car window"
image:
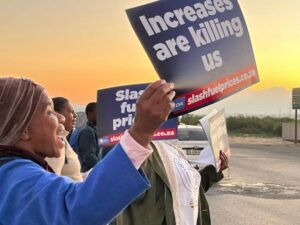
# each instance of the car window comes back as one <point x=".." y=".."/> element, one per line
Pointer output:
<point x="191" y="135"/>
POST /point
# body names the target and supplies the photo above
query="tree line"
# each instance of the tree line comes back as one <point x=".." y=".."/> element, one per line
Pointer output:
<point x="247" y="125"/>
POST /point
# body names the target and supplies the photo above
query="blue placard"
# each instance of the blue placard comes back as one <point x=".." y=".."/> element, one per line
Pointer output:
<point x="115" y="114"/>
<point x="203" y="46"/>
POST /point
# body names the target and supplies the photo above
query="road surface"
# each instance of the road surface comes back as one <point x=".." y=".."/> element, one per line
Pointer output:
<point x="263" y="187"/>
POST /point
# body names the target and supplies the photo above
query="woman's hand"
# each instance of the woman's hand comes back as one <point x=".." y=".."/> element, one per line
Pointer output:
<point x="224" y="161"/>
<point x="152" y="109"/>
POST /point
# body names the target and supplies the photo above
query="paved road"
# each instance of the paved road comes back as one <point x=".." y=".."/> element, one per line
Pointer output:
<point x="263" y="187"/>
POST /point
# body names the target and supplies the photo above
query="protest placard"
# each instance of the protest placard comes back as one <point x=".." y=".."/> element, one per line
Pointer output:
<point x="203" y="46"/>
<point x="116" y="110"/>
<point x="214" y="125"/>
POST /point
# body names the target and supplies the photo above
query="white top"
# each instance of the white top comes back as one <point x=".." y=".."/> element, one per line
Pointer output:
<point x="184" y="183"/>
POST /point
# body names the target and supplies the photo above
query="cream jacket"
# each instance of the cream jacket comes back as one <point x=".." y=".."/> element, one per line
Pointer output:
<point x="67" y="164"/>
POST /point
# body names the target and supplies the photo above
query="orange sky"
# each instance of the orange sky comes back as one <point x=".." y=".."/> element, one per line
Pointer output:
<point x="74" y="47"/>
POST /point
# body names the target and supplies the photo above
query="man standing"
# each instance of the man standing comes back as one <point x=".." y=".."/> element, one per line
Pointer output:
<point x="88" y="149"/>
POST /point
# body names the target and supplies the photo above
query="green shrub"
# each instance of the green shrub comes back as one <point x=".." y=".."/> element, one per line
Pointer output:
<point x="256" y="126"/>
<point x="247" y="125"/>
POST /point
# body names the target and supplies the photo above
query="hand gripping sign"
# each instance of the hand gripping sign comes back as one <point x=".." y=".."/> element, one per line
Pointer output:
<point x="116" y="109"/>
<point x="203" y="46"/>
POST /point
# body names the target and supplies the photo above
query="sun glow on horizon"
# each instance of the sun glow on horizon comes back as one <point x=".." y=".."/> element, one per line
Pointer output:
<point x="89" y="46"/>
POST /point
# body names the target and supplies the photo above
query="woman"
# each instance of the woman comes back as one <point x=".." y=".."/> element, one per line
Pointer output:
<point x="68" y="163"/>
<point x="31" y="130"/>
<point x="177" y="193"/>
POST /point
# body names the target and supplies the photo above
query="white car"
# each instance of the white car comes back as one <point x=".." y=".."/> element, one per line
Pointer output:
<point x="192" y="140"/>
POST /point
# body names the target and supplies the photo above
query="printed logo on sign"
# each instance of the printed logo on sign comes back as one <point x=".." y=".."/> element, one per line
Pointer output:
<point x="103" y="141"/>
<point x="179" y="104"/>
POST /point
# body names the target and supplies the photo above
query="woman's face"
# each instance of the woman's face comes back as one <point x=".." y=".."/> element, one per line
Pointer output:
<point x="46" y="129"/>
<point x="70" y="116"/>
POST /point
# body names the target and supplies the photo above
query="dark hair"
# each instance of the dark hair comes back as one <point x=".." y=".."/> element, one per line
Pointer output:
<point x="59" y="103"/>
<point x="90" y="107"/>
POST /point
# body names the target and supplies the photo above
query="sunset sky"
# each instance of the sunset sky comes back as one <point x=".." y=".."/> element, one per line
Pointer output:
<point x="75" y="47"/>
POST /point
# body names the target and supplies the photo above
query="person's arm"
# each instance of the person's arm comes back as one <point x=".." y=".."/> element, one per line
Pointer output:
<point x="87" y="148"/>
<point x="52" y="200"/>
<point x="136" y="153"/>
<point x="209" y="175"/>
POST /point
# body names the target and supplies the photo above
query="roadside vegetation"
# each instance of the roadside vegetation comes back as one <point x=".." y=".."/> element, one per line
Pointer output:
<point x="247" y="125"/>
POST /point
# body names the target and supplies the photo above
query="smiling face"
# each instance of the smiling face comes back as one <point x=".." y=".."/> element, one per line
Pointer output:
<point x="45" y="131"/>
